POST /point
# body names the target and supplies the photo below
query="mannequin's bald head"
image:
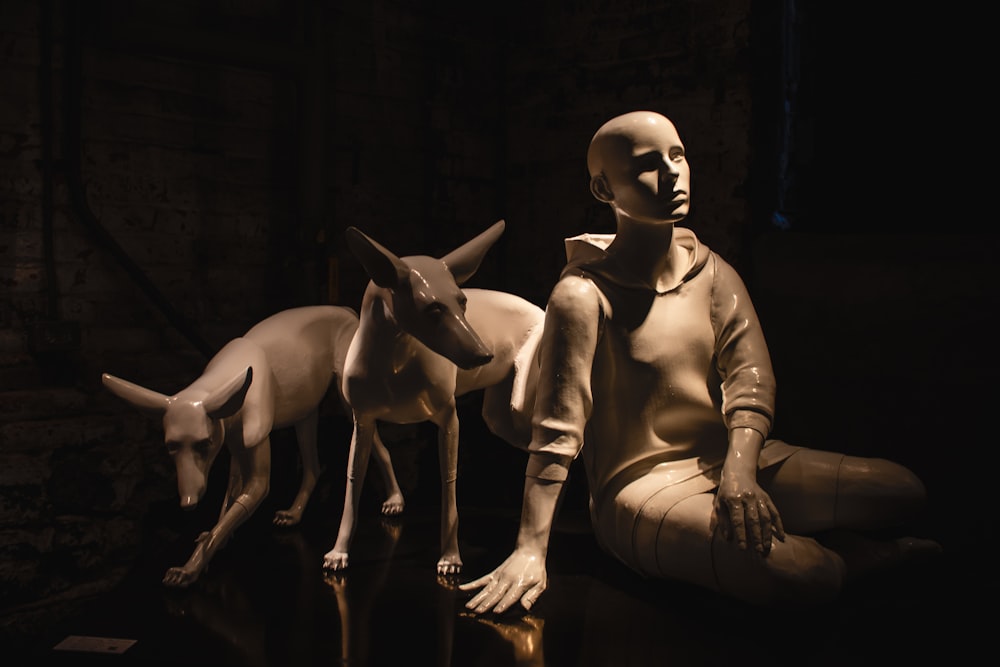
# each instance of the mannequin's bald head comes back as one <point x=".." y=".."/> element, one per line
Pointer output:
<point x="617" y="138"/>
<point x="638" y="166"/>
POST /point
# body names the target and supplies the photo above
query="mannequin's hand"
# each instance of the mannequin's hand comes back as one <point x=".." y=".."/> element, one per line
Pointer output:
<point x="521" y="578"/>
<point x="745" y="513"/>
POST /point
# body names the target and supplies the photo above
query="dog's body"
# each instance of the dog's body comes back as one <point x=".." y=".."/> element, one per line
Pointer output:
<point x="276" y="375"/>
<point x="422" y="342"/>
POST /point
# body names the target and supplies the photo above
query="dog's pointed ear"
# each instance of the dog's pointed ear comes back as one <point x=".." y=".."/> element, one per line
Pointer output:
<point x="382" y="265"/>
<point x="465" y="260"/>
<point x="144" y="399"/>
<point x="228" y="399"/>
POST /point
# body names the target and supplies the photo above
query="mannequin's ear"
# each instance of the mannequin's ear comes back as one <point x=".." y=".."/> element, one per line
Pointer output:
<point x="600" y="188"/>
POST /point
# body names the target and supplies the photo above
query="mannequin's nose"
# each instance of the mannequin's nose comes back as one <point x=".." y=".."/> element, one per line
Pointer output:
<point x="668" y="168"/>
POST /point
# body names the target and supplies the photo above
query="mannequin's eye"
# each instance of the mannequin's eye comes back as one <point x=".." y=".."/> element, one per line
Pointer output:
<point x="648" y="162"/>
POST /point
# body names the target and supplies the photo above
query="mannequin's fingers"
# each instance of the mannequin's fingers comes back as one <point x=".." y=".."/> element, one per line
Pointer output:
<point x="531" y="597"/>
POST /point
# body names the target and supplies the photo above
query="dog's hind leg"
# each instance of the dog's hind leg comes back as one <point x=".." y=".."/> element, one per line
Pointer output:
<point x="394" y="502"/>
<point x="306" y="435"/>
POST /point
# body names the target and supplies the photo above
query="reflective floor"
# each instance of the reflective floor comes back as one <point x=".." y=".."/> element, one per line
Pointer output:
<point x="266" y="602"/>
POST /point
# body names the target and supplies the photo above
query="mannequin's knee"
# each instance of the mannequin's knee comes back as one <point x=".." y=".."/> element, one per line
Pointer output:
<point x="797" y="572"/>
<point x="909" y="485"/>
<point x="875" y="493"/>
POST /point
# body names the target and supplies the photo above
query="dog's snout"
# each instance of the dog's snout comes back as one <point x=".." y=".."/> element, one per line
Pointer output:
<point x="477" y="361"/>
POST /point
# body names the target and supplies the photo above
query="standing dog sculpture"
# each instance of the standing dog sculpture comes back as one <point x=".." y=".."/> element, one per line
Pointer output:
<point x="275" y="375"/>
<point x="422" y="342"/>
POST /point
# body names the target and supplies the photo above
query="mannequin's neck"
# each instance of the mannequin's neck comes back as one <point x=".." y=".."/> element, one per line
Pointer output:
<point x="648" y="252"/>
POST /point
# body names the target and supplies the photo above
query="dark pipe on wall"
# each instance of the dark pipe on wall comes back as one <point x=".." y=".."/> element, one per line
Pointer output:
<point x="77" y="190"/>
<point x="50" y="337"/>
<point x="297" y="59"/>
<point x="294" y="51"/>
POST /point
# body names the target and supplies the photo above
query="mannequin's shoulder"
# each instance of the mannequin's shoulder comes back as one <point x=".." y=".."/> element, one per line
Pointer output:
<point x="574" y="296"/>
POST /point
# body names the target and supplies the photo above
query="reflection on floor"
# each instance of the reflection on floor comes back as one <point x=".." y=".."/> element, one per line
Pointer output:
<point x="266" y="602"/>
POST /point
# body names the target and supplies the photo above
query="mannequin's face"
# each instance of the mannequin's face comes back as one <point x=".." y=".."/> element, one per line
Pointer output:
<point x="645" y="168"/>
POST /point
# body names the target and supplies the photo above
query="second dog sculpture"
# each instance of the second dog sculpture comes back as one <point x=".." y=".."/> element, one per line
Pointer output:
<point x="421" y="342"/>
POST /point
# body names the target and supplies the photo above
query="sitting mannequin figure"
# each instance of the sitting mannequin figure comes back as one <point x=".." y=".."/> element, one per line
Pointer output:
<point x="654" y="368"/>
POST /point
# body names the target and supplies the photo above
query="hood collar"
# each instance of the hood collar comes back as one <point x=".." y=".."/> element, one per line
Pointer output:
<point x="588" y="253"/>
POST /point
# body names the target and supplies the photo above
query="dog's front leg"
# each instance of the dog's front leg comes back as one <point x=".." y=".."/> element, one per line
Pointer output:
<point x="254" y="467"/>
<point x="357" y="465"/>
<point x="234" y="488"/>
<point x="447" y="423"/>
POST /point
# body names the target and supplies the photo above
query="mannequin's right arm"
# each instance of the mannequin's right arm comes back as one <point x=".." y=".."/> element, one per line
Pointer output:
<point x="562" y="407"/>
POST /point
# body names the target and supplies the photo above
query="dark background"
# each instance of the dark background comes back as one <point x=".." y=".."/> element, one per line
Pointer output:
<point x="171" y="173"/>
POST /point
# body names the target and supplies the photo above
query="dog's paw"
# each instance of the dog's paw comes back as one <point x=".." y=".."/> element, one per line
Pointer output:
<point x="449" y="565"/>
<point x="393" y="505"/>
<point x="285" y="518"/>
<point x="180" y="577"/>
<point x="335" y="560"/>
